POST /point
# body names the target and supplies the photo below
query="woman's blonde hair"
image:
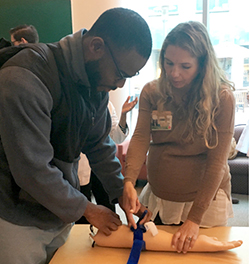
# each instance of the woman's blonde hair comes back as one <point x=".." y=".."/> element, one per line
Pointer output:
<point x="203" y="98"/>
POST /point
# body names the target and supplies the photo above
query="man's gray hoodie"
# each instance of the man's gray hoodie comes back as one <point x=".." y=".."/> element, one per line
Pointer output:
<point x="48" y="115"/>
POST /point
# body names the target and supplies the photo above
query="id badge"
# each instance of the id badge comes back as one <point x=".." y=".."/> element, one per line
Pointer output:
<point x="161" y="120"/>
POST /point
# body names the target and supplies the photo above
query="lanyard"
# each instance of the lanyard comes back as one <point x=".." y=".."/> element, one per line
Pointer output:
<point x="139" y="243"/>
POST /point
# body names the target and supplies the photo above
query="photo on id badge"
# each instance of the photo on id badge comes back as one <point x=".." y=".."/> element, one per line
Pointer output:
<point x="161" y="120"/>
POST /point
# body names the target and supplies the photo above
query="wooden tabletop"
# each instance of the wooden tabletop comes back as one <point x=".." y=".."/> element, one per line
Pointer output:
<point x="78" y="249"/>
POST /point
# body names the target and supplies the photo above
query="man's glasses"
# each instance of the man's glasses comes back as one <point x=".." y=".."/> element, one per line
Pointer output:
<point x="122" y="76"/>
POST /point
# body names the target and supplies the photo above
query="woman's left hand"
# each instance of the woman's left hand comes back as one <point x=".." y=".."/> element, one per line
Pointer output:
<point x="184" y="239"/>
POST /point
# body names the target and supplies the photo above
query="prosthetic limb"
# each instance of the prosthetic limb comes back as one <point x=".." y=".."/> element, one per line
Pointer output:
<point x="123" y="238"/>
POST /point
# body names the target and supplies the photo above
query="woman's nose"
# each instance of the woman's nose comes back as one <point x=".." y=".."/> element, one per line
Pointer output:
<point x="175" y="72"/>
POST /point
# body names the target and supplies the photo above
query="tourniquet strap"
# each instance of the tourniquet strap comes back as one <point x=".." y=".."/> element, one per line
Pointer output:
<point x="136" y="249"/>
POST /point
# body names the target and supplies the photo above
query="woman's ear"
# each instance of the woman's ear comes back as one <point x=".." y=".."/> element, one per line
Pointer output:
<point x="97" y="48"/>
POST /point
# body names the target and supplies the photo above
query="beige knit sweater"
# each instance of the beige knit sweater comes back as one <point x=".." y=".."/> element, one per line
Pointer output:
<point x="181" y="172"/>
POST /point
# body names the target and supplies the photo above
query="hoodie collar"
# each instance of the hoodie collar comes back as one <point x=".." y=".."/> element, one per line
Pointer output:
<point x="72" y="47"/>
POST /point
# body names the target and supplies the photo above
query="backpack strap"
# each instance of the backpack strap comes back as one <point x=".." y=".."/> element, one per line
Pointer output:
<point x="8" y="52"/>
<point x="45" y="70"/>
<point x="4" y="43"/>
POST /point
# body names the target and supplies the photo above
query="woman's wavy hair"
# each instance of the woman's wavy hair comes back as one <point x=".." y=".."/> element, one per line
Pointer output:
<point x="203" y="98"/>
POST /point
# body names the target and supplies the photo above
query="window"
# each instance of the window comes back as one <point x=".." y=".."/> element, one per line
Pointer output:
<point x="227" y="22"/>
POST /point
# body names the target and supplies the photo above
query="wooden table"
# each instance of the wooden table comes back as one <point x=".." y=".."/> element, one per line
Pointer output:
<point x="78" y="250"/>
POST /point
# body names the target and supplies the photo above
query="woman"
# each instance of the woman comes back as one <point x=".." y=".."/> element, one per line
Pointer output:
<point x="188" y="114"/>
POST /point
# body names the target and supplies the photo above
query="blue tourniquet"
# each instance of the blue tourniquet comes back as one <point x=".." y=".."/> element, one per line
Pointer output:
<point x="139" y="243"/>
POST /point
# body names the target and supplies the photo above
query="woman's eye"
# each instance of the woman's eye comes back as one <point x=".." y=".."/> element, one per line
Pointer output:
<point x="169" y="63"/>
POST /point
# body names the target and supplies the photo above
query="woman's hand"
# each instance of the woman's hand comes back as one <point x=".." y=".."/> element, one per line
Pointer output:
<point x="147" y="217"/>
<point x="184" y="239"/>
<point x="129" y="202"/>
<point x="128" y="106"/>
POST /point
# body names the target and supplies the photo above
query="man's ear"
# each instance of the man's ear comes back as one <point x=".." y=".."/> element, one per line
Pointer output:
<point x="23" y="41"/>
<point x="96" y="48"/>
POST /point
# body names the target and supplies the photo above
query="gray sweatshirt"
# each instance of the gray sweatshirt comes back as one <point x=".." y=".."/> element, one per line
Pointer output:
<point x="40" y="146"/>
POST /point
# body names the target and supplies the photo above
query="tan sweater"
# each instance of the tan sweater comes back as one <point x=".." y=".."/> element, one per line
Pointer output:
<point x="181" y="172"/>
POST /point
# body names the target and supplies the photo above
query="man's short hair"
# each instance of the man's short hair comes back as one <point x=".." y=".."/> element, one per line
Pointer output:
<point x="126" y="29"/>
<point x="27" y="32"/>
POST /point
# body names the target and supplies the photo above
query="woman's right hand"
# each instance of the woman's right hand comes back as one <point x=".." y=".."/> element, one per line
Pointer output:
<point x="130" y="203"/>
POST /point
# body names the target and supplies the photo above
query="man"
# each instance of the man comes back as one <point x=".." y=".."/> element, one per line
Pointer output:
<point x="23" y="34"/>
<point x="53" y="106"/>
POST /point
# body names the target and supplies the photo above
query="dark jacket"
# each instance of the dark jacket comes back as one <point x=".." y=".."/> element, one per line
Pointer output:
<point x="47" y="118"/>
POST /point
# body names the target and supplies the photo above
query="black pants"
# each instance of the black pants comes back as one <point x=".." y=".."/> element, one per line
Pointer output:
<point x="95" y="187"/>
<point x="158" y="221"/>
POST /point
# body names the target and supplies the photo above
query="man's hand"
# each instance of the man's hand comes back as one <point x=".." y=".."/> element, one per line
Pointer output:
<point x="102" y="218"/>
<point x="130" y="204"/>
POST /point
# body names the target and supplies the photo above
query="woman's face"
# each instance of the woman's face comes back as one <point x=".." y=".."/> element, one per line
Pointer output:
<point x="180" y="67"/>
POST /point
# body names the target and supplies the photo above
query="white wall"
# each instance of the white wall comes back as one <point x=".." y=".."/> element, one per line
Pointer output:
<point x="84" y="14"/>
